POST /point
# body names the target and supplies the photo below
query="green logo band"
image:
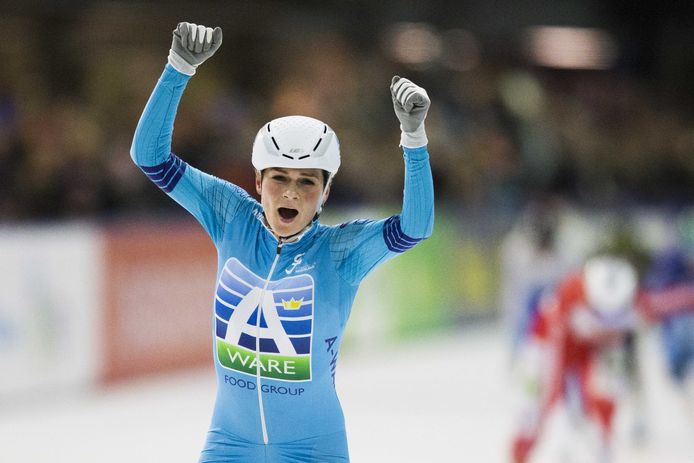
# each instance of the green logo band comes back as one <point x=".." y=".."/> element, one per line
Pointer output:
<point x="275" y="366"/>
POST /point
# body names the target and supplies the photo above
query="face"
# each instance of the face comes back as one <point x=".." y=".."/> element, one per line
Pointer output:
<point x="290" y="197"/>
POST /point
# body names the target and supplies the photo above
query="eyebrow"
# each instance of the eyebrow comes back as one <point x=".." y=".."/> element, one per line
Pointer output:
<point x="304" y="173"/>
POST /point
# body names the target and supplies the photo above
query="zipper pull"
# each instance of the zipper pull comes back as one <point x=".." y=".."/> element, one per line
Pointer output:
<point x="279" y="246"/>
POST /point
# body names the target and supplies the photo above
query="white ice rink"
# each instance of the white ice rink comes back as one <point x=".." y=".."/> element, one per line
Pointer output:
<point x="437" y="400"/>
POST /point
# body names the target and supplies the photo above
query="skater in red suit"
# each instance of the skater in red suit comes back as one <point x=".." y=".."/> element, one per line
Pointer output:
<point x="573" y="355"/>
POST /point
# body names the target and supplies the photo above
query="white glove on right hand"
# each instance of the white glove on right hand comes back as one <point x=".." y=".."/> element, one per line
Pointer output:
<point x="192" y="45"/>
<point x="411" y="103"/>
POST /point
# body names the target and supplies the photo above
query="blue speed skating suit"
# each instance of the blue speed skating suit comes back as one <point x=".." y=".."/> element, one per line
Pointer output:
<point x="276" y="398"/>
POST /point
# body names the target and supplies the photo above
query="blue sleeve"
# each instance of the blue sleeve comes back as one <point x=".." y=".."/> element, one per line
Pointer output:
<point x="358" y="247"/>
<point x="211" y="200"/>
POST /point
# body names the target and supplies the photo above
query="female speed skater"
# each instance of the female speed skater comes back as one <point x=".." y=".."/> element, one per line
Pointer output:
<point x="285" y="282"/>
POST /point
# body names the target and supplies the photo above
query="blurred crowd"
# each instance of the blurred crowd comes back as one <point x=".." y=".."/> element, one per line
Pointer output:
<point x="502" y="131"/>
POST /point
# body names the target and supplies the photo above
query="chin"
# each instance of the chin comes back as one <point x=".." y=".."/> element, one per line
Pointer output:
<point x="289" y="229"/>
<point x="284" y="230"/>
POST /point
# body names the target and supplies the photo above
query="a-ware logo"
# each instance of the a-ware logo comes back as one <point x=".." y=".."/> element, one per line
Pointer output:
<point x="286" y="323"/>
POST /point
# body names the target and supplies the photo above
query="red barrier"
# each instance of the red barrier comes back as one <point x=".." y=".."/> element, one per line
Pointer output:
<point x="158" y="289"/>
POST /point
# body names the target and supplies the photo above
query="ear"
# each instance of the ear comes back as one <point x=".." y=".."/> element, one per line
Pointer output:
<point x="258" y="181"/>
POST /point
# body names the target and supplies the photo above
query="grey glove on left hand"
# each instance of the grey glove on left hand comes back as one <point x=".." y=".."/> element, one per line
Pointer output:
<point x="411" y="103"/>
<point x="192" y="45"/>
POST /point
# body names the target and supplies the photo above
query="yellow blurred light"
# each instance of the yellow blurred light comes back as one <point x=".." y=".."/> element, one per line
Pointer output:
<point x="522" y="94"/>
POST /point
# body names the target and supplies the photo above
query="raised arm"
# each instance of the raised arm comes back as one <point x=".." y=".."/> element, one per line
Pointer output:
<point x="211" y="200"/>
<point x="360" y="246"/>
<point x="190" y="47"/>
<point x="411" y="104"/>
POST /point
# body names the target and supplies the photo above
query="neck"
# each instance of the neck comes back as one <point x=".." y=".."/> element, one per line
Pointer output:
<point x="289" y="238"/>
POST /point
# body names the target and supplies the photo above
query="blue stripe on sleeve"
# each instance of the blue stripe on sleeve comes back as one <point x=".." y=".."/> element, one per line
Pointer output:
<point x="395" y="238"/>
<point x="167" y="174"/>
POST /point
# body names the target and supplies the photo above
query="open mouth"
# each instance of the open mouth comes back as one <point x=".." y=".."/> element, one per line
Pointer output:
<point x="287" y="213"/>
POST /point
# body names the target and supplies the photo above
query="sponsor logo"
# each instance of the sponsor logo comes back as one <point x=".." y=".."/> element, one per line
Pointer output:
<point x="277" y="323"/>
<point x="292" y="304"/>
<point x="355" y="222"/>
<point x="266" y="388"/>
<point x="297" y="261"/>
<point x="296" y="266"/>
<point x="333" y="355"/>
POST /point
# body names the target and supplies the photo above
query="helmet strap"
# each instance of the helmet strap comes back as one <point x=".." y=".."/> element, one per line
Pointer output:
<point x="325" y="191"/>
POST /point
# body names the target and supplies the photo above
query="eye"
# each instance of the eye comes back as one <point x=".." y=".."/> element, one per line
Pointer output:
<point x="279" y="178"/>
<point x="307" y="182"/>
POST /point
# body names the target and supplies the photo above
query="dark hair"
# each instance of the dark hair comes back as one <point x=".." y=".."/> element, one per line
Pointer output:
<point x="326" y="177"/>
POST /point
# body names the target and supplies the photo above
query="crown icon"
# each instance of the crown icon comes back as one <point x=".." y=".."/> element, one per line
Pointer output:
<point x="292" y="304"/>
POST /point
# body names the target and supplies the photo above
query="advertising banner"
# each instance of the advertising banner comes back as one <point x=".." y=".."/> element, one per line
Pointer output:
<point x="49" y="308"/>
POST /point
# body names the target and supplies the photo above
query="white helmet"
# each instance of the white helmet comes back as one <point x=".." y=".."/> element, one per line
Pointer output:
<point x="610" y="284"/>
<point x="296" y="142"/>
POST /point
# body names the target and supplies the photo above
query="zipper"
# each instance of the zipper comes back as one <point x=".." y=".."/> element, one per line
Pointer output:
<point x="258" y="378"/>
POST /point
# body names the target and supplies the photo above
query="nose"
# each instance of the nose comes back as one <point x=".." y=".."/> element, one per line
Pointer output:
<point x="290" y="193"/>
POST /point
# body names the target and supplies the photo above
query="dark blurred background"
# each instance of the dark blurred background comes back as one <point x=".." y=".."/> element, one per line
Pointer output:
<point x="589" y="101"/>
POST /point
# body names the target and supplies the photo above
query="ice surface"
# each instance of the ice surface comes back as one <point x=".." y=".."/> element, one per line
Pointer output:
<point x="443" y="399"/>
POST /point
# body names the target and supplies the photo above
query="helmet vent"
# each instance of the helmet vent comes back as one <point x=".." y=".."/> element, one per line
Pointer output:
<point x="275" y="142"/>
<point x="304" y="156"/>
<point x="287" y="156"/>
<point x="317" y="144"/>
